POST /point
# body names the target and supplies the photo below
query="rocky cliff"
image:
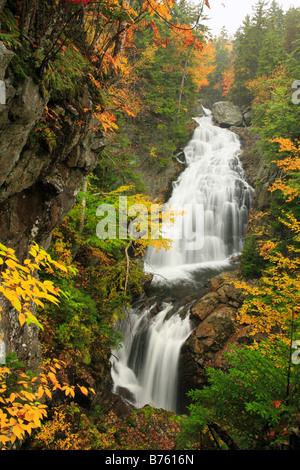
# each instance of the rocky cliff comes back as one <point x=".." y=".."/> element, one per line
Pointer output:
<point x="39" y="183"/>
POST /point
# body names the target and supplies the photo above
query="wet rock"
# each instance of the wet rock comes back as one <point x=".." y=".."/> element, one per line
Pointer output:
<point x="205" y="306"/>
<point x="107" y="401"/>
<point x="216" y="330"/>
<point x="5" y="57"/>
<point x="247" y="116"/>
<point x="227" y="114"/>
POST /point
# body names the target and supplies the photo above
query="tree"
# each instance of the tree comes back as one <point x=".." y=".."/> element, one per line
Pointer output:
<point x="21" y="409"/>
<point x="258" y="47"/>
<point x="221" y="78"/>
<point x="250" y="406"/>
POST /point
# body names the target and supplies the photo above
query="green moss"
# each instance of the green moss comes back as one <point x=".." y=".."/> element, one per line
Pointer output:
<point x="67" y="74"/>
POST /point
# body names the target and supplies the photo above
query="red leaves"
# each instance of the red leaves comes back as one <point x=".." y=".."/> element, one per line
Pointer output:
<point x="276" y="404"/>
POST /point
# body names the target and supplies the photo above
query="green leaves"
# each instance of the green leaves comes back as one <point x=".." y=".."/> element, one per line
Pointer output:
<point x="249" y="400"/>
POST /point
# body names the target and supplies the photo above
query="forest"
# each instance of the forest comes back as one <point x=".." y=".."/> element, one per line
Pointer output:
<point x="112" y="90"/>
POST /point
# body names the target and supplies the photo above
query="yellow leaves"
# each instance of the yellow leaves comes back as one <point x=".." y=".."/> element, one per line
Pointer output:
<point x="202" y="64"/>
<point x="21" y="410"/>
<point x="4" y="439"/>
<point x="275" y="301"/>
<point x="17" y="432"/>
<point x="286" y="145"/>
<point x="270" y="305"/>
<point x="289" y="192"/>
<point x="69" y="390"/>
<point x="288" y="165"/>
<point x="83" y="390"/>
<point x="21" y="287"/>
<point x="153" y="152"/>
<point x="52" y="377"/>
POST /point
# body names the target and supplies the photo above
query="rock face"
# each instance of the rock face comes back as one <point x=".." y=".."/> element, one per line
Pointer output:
<point x="216" y="330"/>
<point x="39" y="183"/>
<point x="227" y="114"/>
<point x="260" y="174"/>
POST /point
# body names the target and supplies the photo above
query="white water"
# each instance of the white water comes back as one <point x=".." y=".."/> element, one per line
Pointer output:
<point x="216" y="201"/>
<point x="146" y="366"/>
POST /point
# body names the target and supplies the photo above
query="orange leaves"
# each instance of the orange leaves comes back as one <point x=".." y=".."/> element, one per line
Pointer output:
<point x="286" y="145"/>
<point x="161" y="8"/>
<point x="107" y="120"/>
<point x="94" y="81"/>
<point x="116" y="97"/>
<point x="228" y="80"/>
<point x="128" y="111"/>
<point x="79" y="1"/>
<point x="202" y="64"/>
<point x="263" y="87"/>
<point x="291" y="163"/>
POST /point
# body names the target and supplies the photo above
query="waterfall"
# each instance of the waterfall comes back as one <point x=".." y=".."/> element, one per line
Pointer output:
<point x="147" y="364"/>
<point x="215" y="199"/>
<point x="212" y="201"/>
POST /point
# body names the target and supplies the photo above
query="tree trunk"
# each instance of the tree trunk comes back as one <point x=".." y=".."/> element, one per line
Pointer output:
<point x="182" y="81"/>
<point x="224" y="436"/>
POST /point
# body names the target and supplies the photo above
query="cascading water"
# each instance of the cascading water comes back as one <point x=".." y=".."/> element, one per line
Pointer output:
<point x="215" y="201"/>
<point x="147" y="365"/>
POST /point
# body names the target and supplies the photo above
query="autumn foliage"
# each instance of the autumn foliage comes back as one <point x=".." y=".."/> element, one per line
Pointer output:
<point x="273" y="305"/>
<point x="22" y="394"/>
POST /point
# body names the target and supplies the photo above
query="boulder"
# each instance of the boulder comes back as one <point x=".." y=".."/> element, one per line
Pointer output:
<point x="227" y="114"/>
<point x="216" y="330"/>
<point x="247" y="116"/>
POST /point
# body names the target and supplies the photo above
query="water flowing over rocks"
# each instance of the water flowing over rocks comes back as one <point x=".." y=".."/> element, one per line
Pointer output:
<point x="213" y="184"/>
